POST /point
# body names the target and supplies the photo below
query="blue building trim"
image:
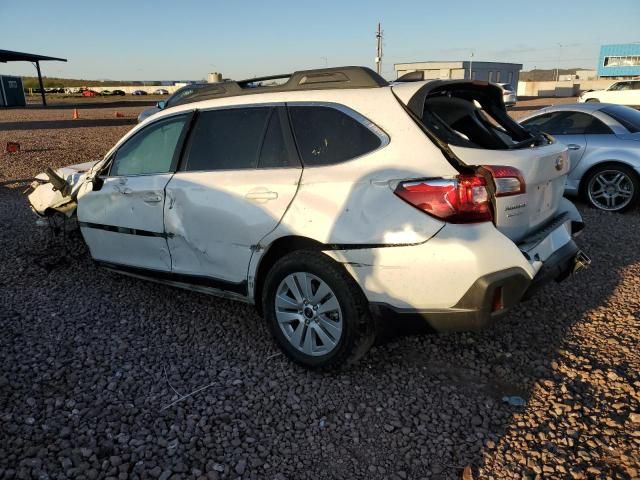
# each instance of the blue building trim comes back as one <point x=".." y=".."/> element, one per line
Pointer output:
<point x="620" y="50"/>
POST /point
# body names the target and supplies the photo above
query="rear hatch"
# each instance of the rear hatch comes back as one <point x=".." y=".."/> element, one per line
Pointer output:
<point x="468" y="120"/>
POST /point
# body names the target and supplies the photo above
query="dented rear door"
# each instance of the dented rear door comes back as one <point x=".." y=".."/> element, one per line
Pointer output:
<point x="240" y="172"/>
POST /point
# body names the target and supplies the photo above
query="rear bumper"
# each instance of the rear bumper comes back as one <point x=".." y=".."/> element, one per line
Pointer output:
<point x="492" y="295"/>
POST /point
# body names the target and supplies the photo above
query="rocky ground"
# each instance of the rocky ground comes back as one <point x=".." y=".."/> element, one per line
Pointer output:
<point x="104" y="376"/>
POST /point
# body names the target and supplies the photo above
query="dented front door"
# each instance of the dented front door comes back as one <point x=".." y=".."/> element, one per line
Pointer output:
<point x="122" y="222"/>
<point x="122" y="215"/>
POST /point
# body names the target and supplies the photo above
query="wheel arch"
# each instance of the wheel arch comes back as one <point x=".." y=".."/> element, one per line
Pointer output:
<point x="275" y="251"/>
<point x="604" y="163"/>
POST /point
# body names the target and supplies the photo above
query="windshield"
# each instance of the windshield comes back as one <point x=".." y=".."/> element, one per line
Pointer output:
<point x="628" y="117"/>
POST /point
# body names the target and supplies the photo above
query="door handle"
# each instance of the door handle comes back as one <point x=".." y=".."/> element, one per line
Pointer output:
<point x="261" y="196"/>
<point x="573" y="146"/>
<point x="152" y="198"/>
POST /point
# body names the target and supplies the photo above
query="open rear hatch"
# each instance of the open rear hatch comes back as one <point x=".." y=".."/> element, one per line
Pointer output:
<point x="525" y="171"/>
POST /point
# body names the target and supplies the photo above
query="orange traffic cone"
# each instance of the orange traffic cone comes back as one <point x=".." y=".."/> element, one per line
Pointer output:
<point x="75" y="114"/>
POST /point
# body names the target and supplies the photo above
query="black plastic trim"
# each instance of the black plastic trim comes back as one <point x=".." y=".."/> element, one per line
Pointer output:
<point x="160" y="275"/>
<point x="124" y="230"/>
<point x="473" y="310"/>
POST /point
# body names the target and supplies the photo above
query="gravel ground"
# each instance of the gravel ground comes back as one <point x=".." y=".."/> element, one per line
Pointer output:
<point x="104" y="376"/>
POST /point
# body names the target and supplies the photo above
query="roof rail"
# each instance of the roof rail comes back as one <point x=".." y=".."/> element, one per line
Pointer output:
<point x="320" y="79"/>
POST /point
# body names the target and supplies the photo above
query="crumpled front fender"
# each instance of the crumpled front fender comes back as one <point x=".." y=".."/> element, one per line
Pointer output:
<point x="45" y="198"/>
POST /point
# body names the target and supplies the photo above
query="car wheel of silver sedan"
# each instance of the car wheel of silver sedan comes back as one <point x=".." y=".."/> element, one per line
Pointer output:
<point x="612" y="188"/>
<point x="315" y="311"/>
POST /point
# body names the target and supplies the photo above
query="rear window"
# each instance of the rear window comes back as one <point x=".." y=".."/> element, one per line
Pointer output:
<point x="472" y="121"/>
<point x="626" y="116"/>
<point x="326" y="136"/>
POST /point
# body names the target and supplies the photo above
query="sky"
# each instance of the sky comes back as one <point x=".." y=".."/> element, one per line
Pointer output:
<point x="186" y="39"/>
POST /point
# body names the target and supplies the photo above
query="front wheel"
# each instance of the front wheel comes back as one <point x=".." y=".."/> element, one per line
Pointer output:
<point x="316" y="312"/>
<point x="592" y="100"/>
<point x="613" y="188"/>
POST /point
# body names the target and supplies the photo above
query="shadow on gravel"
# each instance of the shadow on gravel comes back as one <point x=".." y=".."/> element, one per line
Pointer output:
<point x="64" y="124"/>
<point x="534" y="353"/>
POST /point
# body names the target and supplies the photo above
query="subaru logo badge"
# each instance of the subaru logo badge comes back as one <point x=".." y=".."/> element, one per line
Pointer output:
<point x="559" y="163"/>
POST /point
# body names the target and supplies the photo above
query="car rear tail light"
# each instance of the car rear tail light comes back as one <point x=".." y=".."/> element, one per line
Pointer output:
<point x="463" y="199"/>
<point x="508" y="180"/>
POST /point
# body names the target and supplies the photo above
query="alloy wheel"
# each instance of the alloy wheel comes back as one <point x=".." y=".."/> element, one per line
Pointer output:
<point x="308" y="313"/>
<point x="610" y="190"/>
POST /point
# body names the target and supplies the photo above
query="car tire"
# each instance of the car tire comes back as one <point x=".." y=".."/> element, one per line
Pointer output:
<point x="592" y="100"/>
<point x="298" y="300"/>
<point x="604" y="185"/>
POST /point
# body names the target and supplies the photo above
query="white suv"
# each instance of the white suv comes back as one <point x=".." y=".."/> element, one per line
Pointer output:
<point x="332" y="202"/>
<point x="622" y="93"/>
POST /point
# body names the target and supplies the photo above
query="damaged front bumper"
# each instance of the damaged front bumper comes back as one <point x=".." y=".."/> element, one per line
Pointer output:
<point x="57" y="191"/>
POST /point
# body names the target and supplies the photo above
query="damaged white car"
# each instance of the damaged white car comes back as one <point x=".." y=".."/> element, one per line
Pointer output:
<point x="332" y="202"/>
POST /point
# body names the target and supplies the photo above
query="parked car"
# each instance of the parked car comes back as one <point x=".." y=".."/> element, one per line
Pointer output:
<point x="622" y="93"/>
<point x="177" y="96"/>
<point x="161" y="91"/>
<point x="106" y="93"/>
<point x="138" y="92"/>
<point x="508" y="94"/>
<point x="604" y="148"/>
<point x="89" y="93"/>
<point x="333" y="202"/>
<point x="118" y="93"/>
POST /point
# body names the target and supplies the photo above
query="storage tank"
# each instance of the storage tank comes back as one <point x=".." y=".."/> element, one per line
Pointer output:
<point x="214" y="77"/>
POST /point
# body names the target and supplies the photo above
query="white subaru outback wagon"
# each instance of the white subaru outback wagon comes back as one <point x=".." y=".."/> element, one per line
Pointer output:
<point x="332" y="201"/>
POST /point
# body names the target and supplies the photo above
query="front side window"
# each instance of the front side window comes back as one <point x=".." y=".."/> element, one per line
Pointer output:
<point x="326" y="136"/>
<point x="619" y="86"/>
<point x="152" y="150"/>
<point x="227" y="139"/>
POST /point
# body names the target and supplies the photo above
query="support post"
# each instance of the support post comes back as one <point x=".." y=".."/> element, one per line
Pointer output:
<point x="44" y="100"/>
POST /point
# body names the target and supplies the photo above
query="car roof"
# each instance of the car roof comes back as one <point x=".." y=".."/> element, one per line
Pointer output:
<point x="575" y="107"/>
<point x="335" y="78"/>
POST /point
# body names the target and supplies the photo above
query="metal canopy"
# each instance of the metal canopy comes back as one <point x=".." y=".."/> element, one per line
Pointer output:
<point x="9" y="56"/>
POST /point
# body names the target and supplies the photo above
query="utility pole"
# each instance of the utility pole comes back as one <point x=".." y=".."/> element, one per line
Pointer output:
<point x="471" y="66"/>
<point x="559" y="60"/>
<point x="379" y="50"/>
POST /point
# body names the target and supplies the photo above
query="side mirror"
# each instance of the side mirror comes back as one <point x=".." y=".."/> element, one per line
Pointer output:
<point x="97" y="183"/>
<point x="161" y="104"/>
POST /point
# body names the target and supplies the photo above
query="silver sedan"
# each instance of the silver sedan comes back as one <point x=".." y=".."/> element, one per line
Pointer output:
<point x="604" y="147"/>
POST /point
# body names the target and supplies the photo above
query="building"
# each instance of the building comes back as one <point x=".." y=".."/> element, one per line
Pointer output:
<point x="619" y="61"/>
<point x="11" y="92"/>
<point x="490" y="71"/>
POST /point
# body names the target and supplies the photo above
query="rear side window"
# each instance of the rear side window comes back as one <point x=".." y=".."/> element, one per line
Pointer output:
<point x="152" y="150"/>
<point x="327" y="136"/>
<point x="627" y="116"/>
<point x="569" y="123"/>
<point x="227" y="139"/>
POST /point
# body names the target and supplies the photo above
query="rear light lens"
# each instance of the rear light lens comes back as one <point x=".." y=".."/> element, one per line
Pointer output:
<point x="463" y="199"/>
<point x="508" y="180"/>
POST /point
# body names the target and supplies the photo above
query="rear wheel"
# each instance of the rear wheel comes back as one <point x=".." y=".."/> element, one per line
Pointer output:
<point x="594" y="100"/>
<point x="316" y="312"/>
<point x="614" y="188"/>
